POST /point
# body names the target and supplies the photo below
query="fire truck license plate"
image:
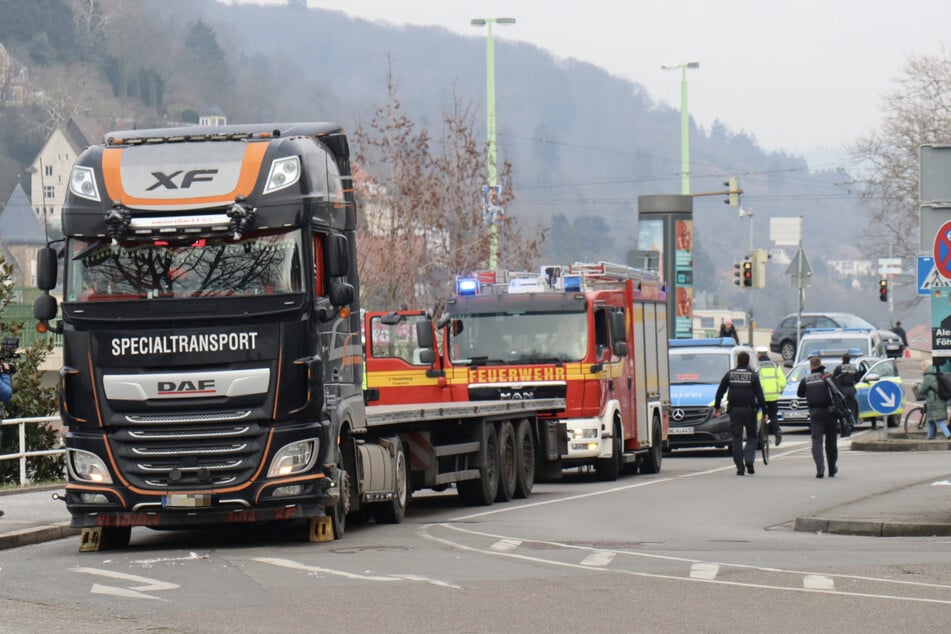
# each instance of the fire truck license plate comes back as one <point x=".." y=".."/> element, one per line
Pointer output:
<point x="186" y="500"/>
<point x="675" y="431"/>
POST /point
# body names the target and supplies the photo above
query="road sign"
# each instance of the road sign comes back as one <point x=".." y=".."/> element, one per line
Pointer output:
<point x="928" y="276"/>
<point x="889" y="266"/>
<point x="942" y="250"/>
<point x="799" y="260"/>
<point x="885" y="397"/>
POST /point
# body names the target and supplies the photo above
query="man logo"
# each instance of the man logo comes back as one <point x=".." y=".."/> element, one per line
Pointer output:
<point x="191" y="176"/>
<point x="677" y="414"/>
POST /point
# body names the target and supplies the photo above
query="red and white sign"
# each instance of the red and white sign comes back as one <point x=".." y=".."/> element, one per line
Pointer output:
<point x="942" y="250"/>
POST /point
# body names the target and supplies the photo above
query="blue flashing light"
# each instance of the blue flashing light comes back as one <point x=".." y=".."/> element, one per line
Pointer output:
<point x="726" y="342"/>
<point x="467" y="286"/>
<point x="572" y="283"/>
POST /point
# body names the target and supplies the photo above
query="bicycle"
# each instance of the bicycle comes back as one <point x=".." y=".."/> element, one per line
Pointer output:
<point x="916" y="418"/>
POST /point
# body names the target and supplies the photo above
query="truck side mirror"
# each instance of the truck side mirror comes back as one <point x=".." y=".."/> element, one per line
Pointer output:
<point x="341" y="294"/>
<point x="424" y="334"/>
<point x="620" y="348"/>
<point x="46" y="266"/>
<point x="618" y="331"/>
<point x="426" y="356"/>
<point x="337" y="255"/>
<point x="44" y="307"/>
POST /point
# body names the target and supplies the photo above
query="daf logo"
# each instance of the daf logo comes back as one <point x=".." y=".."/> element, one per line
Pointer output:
<point x="191" y="176"/>
<point x="677" y="414"/>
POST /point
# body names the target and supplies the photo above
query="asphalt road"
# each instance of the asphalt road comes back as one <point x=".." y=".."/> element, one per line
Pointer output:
<point x="692" y="548"/>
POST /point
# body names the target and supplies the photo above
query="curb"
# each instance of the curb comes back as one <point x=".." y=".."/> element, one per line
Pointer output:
<point x="873" y="528"/>
<point x="901" y="445"/>
<point x="36" y="535"/>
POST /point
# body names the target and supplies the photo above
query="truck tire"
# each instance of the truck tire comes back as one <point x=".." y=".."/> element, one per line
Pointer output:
<point x="525" y="459"/>
<point x="393" y="511"/>
<point x="482" y="490"/>
<point x="608" y="469"/>
<point x="655" y="456"/>
<point x="338" y="512"/>
<point x="508" y="462"/>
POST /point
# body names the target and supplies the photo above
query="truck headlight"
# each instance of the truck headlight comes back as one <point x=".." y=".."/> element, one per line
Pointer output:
<point x="294" y="458"/>
<point x="284" y="173"/>
<point x="82" y="182"/>
<point x="585" y="433"/>
<point x="87" y="467"/>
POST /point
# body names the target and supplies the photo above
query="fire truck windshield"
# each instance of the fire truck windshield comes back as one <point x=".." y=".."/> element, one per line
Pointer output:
<point x="507" y="338"/>
<point x="261" y="263"/>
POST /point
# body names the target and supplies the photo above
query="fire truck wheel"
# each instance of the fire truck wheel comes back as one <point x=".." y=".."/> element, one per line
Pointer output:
<point x="508" y="462"/>
<point x="608" y="469"/>
<point x="525" y="456"/>
<point x="482" y="490"/>
<point x="392" y="512"/>
<point x="655" y="456"/>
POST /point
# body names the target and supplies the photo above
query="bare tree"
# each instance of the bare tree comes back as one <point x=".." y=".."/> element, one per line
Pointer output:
<point x="916" y="111"/>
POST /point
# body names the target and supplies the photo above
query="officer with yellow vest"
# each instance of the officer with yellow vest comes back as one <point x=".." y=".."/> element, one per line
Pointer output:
<point x="773" y="380"/>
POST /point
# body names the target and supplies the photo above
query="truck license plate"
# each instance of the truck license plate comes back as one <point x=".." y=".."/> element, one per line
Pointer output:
<point x="677" y="431"/>
<point x="186" y="500"/>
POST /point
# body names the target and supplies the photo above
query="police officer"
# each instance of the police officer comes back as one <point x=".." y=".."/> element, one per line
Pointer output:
<point x="815" y="388"/>
<point x="746" y="396"/>
<point x="846" y="375"/>
<point x="773" y="380"/>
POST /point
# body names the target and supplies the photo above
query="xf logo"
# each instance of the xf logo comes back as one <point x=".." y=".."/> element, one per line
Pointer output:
<point x="191" y="176"/>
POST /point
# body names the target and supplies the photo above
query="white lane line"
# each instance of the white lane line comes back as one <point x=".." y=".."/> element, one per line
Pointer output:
<point x="704" y="571"/>
<point x="504" y="545"/>
<point x="648" y="575"/>
<point x="296" y="565"/>
<point x="599" y="558"/>
<point x="818" y="582"/>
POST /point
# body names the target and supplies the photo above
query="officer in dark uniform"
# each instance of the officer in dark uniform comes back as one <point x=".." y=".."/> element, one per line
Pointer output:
<point x="746" y="396"/>
<point x="845" y="376"/>
<point x="822" y="418"/>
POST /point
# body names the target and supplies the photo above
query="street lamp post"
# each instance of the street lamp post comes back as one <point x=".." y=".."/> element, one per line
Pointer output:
<point x="491" y="165"/>
<point x="684" y="124"/>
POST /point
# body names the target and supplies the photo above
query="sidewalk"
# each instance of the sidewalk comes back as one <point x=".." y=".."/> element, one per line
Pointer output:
<point x="922" y="509"/>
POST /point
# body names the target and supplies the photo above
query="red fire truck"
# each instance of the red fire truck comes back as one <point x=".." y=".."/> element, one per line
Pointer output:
<point x="592" y="334"/>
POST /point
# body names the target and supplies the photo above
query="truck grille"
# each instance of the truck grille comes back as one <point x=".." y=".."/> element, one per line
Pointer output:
<point x="169" y="457"/>
<point x="523" y="392"/>
<point x="683" y="416"/>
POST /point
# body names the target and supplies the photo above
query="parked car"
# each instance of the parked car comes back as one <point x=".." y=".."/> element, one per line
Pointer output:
<point x="696" y="368"/>
<point x="783" y="340"/>
<point x="794" y="411"/>
<point x="829" y="344"/>
<point x="894" y="347"/>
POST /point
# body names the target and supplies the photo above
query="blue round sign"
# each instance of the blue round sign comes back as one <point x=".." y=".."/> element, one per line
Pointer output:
<point x="885" y="397"/>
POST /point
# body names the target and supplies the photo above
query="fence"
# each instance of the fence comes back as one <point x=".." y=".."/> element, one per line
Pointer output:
<point x="22" y="455"/>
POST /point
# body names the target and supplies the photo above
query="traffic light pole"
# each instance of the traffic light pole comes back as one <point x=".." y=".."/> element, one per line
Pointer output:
<point x="749" y="307"/>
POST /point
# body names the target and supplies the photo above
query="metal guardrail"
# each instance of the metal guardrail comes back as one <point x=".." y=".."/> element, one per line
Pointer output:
<point x="22" y="455"/>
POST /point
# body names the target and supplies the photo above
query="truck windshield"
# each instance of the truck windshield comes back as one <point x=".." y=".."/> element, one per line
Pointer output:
<point x="262" y="263"/>
<point x="505" y="338"/>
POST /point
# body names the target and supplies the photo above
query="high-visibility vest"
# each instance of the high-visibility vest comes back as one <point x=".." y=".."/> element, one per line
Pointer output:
<point x="772" y="379"/>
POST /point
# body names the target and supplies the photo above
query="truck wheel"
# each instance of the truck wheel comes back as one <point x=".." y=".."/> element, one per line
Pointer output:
<point x="608" y="469"/>
<point x="114" y="537"/>
<point x="338" y="512"/>
<point x="508" y="462"/>
<point x="482" y="490"/>
<point x="392" y="512"/>
<point x="525" y="459"/>
<point x="655" y="456"/>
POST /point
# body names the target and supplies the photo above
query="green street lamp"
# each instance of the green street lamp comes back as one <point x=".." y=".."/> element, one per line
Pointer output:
<point x="684" y="124"/>
<point x="491" y="167"/>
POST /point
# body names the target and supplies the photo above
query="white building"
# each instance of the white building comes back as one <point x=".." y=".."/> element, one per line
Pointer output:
<point x="50" y="173"/>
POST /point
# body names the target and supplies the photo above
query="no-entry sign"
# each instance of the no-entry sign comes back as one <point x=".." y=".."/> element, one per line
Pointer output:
<point x="942" y="250"/>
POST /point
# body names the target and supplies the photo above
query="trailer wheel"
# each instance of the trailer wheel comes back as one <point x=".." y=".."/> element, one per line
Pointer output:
<point x="392" y="512"/>
<point x="608" y="469"/>
<point x="525" y="459"/>
<point x="508" y="462"/>
<point x="482" y="490"/>
<point x="654" y="458"/>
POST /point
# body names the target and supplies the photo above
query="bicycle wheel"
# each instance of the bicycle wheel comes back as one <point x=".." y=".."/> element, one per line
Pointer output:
<point x="915" y="419"/>
<point x="764" y="442"/>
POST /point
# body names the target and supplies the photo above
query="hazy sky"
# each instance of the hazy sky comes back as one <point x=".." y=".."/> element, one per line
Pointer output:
<point x="795" y="74"/>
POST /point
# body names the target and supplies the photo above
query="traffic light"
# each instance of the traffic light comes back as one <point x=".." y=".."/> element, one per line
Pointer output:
<point x="733" y="195"/>
<point x="883" y="290"/>
<point x="747" y="268"/>
<point x="737" y="275"/>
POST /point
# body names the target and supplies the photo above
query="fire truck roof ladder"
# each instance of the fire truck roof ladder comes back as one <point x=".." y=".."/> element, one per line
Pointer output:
<point x="608" y="272"/>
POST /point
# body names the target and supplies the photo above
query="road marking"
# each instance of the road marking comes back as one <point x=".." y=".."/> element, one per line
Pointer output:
<point x="133" y="592"/>
<point x="295" y="565"/>
<point x="599" y="558"/>
<point x="818" y="582"/>
<point x="504" y="545"/>
<point x="704" y="571"/>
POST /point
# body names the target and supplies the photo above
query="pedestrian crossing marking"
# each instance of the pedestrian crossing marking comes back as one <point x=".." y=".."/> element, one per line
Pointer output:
<point x="505" y="545"/>
<point x="599" y="558"/>
<point x="707" y="572"/>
